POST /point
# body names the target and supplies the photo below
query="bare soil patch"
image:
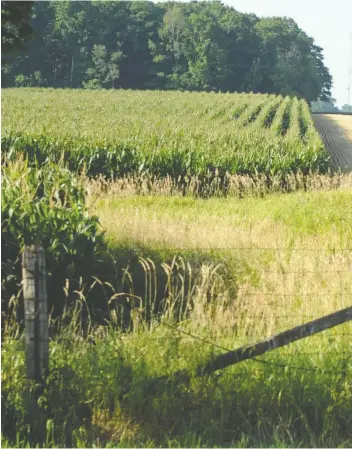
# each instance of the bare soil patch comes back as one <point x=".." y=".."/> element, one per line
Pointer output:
<point x="336" y="132"/>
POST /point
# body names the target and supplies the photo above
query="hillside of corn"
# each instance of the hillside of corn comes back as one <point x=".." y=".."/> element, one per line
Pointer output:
<point x="175" y="134"/>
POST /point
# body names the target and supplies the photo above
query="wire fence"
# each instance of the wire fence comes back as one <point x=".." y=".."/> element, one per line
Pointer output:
<point x="203" y="247"/>
<point x="288" y="303"/>
<point x="336" y="344"/>
<point x="287" y="365"/>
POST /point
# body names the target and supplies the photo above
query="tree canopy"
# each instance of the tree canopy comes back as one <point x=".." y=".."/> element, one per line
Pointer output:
<point x="14" y="24"/>
<point x="192" y="46"/>
<point x="347" y="108"/>
<point x="328" y="105"/>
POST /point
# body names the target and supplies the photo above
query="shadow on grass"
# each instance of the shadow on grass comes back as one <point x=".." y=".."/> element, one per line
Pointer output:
<point x="107" y="392"/>
<point x="157" y="279"/>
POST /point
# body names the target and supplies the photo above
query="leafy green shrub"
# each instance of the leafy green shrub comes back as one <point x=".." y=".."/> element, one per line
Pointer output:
<point x="22" y="80"/>
<point x="35" y="79"/>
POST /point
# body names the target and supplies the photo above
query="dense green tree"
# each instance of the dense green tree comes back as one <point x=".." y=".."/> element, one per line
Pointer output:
<point x="72" y="31"/>
<point x="206" y="53"/>
<point x="106" y="69"/>
<point x="140" y="24"/>
<point x="243" y="45"/>
<point x="290" y="62"/>
<point x="347" y="108"/>
<point x="168" y="55"/>
<point x="328" y="105"/>
<point x="175" y="45"/>
<point x="15" y="31"/>
<point x="15" y="28"/>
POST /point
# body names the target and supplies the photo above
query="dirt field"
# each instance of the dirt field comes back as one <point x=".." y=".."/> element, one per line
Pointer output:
<point x="336" y="131"/>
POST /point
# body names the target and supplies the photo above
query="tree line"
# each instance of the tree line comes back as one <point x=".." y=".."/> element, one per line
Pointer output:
<point x="143" y="45"/>
<point x="329" y="106"/>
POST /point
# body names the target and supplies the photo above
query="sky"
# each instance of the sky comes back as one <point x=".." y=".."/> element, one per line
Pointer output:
<point x="329" y="22"/>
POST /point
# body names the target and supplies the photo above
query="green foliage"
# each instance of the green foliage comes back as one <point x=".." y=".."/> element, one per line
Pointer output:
<point x="101" y="390"/>
<point x="33" y="80"/>
<point x="104" y="395"/>
<point x="105" y="70"/>
<point x="324" y="106"/>
<point x="125" y="133"/>
<point x="347" y="108"/>
<point x="46" y="206"/>
<point x="15" y="28"/>
<point x="268" y="112"/>
<point x="195" y="46"/>
<point x="22" y="81"/>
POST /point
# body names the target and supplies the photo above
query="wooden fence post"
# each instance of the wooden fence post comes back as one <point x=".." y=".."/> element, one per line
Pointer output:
<point x="35" y="312"/>
<point x="277" y="341"/>
<point x="269" y="344"/>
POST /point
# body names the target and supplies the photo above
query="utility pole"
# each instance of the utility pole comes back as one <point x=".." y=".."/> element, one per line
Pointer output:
<point x="350" y="74"/>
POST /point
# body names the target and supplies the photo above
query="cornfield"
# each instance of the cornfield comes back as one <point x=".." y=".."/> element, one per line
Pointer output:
<point x="162" y="134"/>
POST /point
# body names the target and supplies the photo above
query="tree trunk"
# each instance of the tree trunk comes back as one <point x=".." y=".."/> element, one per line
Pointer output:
<point x="72" y="64"/>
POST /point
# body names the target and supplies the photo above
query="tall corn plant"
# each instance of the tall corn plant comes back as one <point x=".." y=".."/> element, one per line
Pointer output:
<point x="282" y="118"/>
<point x="293" y="132"/>
<point x="254" y="109"/>
<point x="46" y="206"/>
<point x="267" y="114"/>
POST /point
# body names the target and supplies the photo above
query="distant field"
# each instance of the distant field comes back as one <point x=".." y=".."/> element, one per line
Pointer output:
<point x="345" y="122"/>
<point x="163" y="133"/>
<point x="336" y="132"/>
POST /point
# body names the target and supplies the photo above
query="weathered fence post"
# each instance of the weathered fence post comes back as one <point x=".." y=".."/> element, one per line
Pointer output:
<point x="35" y="312"/>
<point x="269" y="344"/>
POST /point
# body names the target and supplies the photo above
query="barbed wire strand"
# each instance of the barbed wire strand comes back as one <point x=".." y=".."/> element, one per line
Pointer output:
<point x="253" y="358"/>
<point x="239" y="248"/>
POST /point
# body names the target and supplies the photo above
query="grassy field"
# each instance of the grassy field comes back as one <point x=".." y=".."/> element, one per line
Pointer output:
<point x="163" y="133"/>
<point x="183" y="278"/>
<point x="281" y="254"/>
<point x="292" y="263"/>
